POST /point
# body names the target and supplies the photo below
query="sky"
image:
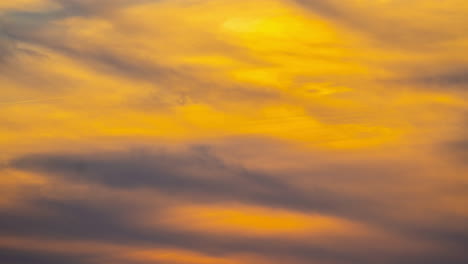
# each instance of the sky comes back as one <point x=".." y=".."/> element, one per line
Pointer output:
<point x="233" y="132"/>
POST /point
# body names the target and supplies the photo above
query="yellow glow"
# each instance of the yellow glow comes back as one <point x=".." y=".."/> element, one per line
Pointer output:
<point x="247" y="220"/>
<point x="179" y="256"/>
<point x="269" y="37"/>
<point x="25" y="5"/>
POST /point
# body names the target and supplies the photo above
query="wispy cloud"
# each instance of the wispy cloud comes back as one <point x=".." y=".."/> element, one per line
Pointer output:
<point x="290" y="128"/>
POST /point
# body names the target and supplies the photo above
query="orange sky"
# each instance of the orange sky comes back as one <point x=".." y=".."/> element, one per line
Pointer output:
<point x="227" y="131"/>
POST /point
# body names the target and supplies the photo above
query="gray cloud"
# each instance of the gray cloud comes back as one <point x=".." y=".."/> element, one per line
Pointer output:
<point x="5" y="49"/>
<point x="79" y="220"/>
<point x="172" y="85"/>
<point x="397" y="31"/>
<point x="459" y="150"/>
<point x="456" y="148"/>
<point x="105" y="221"/>
<point x="14" y="256"/>
<point x="457" y="77"/>
<point x="91" y="7"/>
<point x="199" y="175"/>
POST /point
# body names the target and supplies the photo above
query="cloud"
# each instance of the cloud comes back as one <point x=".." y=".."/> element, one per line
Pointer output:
<point x="456" y="147"/>
<point x="97" y="221"/>
<point x="394" y="23"/>
<point x="80" y="76"/>
<point x="200" y="176"/>
<point x="54" y="33"/>
<point x="196" y="174"/>
<point x="13" y="256"/>
<point x="460" y="150"/>
<point x="90" y="8"/>
<point x="447" y="78"/>
<point x="5" y="50"/>
<point x="88" y="221"/>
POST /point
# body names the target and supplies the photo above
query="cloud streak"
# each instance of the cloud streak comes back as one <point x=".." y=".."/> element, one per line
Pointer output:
<point x="200" y="176"/>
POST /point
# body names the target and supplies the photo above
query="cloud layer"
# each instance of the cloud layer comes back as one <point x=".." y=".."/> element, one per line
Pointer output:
<point x="222" y="131"/>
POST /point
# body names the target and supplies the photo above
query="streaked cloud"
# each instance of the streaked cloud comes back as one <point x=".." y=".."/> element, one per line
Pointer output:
<point x="223" y="131"/>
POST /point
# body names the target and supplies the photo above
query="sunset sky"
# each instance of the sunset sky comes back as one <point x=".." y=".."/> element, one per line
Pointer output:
<point x="233" y="131"/>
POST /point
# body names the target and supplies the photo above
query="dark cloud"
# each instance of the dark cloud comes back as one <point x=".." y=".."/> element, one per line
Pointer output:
<point x="88" y="221"/>
<point x="197" y="174"/>
<point x="90" y="7"/>
<point x="107" y="222"/>
<point x="37" y="32"/>
<point x="5" y="49"/>
<point x="459" y="149"/>
<point x="8" y="47"/>
<point x="15" y="256"/>
<point x="447" y="78"/>
<point x="456" y="148"/>
<point x="200" y="175"/>
<point x="326" y="8"/>
<point x="38" y="28"/>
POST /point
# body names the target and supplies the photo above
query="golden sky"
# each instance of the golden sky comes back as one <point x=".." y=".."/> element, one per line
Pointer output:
<point x="233" y="132"/>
